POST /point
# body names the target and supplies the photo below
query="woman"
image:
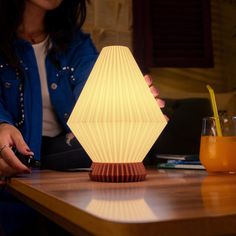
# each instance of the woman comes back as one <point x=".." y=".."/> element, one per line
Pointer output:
<point x="45" y="60"/>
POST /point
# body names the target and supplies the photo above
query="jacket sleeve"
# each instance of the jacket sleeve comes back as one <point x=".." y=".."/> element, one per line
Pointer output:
<point x="83" y="58"/>
<point x="5" y="116"/>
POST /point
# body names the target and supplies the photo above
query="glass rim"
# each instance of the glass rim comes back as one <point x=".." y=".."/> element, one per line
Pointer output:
<point x="213" y="118"/>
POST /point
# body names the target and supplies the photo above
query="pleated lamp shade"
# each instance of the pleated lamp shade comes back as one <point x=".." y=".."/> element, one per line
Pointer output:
<point x="116" y="118"/>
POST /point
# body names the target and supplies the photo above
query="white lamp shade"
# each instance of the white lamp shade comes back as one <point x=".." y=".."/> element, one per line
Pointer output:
<point x="116" y="118"/>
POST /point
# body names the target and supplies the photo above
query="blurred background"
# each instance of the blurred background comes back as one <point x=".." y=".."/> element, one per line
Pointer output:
<point x="184" y="45"/>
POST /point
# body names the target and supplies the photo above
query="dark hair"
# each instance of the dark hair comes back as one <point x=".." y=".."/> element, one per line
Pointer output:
<point x="60" y="24"/>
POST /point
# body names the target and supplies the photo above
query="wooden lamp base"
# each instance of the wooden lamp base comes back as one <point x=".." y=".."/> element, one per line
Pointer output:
<point x="118" y="172"/>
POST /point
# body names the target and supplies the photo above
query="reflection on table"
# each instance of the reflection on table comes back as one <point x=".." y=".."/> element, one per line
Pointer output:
<point x="170" y="202"/>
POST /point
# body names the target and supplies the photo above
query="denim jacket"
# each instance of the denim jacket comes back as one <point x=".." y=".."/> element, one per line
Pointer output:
<point x="64" y="84"/>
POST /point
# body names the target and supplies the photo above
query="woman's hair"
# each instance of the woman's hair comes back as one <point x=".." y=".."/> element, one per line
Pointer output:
<point x="60" y="25"/>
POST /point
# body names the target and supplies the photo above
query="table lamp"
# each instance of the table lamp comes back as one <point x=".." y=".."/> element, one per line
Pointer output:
<point x="116" y="118"/>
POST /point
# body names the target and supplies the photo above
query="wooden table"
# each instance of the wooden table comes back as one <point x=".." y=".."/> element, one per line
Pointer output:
<point x="169" y="202"/>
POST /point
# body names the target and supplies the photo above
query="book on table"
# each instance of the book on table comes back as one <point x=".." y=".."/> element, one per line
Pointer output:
<point x="170" y="161"/>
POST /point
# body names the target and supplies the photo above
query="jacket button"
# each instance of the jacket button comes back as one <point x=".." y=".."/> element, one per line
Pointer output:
<point x="66" y="116"/>
<point x="53" y="86"/>
<point x="7" y="85"/>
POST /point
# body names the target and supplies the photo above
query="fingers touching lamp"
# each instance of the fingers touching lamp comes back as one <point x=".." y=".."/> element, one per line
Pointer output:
<point x="116" y="118"/>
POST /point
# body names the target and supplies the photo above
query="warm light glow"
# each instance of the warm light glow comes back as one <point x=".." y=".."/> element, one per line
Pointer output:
<point x="116" y="118"/>
<point x="127" y="204"/>
<point x="129" y="210"/>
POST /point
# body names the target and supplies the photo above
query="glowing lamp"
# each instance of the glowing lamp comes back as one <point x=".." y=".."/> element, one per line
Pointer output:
<point x="116" y="118"/>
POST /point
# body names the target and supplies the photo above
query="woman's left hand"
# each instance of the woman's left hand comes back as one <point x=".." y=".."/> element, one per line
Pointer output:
<point x="154" y="90"/>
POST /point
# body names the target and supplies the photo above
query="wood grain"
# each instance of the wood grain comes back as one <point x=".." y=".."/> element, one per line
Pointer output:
<point x="169" y="202"/>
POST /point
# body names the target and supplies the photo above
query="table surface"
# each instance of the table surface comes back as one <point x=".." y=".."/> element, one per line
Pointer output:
<point x="168" y="202"/>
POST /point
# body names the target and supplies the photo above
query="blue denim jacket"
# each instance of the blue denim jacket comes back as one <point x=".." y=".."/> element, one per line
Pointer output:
<point x="64" y="85"/>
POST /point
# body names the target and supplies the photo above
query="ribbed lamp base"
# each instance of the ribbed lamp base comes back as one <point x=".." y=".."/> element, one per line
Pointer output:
<point x="118" y="172"/>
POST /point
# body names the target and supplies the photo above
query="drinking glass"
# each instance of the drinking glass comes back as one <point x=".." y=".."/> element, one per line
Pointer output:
<point x="218" y="153"/>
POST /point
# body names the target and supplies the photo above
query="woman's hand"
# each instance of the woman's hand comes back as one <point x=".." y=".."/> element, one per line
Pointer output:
<point x="10" y="137"/>
<point x="154" y="91"/>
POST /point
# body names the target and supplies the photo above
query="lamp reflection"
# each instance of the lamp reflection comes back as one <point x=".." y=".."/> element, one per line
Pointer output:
<point x="120" y="205"/>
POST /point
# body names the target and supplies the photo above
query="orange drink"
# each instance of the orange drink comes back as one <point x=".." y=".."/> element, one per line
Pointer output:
<point x="218" y="153"/>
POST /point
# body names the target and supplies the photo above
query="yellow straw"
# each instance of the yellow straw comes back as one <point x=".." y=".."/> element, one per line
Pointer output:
<point x="215" y="111"/>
